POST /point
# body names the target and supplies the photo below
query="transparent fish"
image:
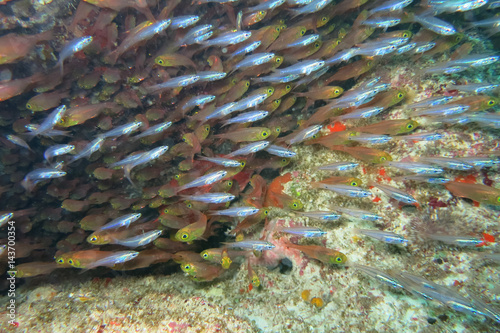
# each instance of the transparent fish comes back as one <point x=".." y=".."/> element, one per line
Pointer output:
<point x="139" y="240"/>
<point x="144" y="158"/>
<point x="254" y="60"/>
<point x="358" y="213"/>
<point x="396" y="193"/>
<point x="246" y="49"/>
<point x="321" y="215"/>
<point x="416" y="167"/>
<point x="156" y="129"/>
<point x="250" y="148"/>
<point x="303" y="231"/>
<point x="122" y="221"/>
<point x="237" y="211"/>
<point x="371" y="138"/>
<point x="88" y="150"/>
<point x="122" y="130"/>
<point x="204" y="180"/>
<point x="280" y="151"/>
<point x="304" y="134"/>
<point x="449" y="163"/>
<point x="74" y="46"/>
<point x="57" y="150"/>
<point x="252" y="245"/>
<point x="347" y="190"/>
<point x="180" y="81"/>
<point x="379" y="275"/>
<point x="222" y="161"/>
<point x="210" y="197"/>
<point x="431" y="102"/>
<point x="384" y="236"/>
<point x="52" y="119"/>
<point x="38" y="175"/>
<point x="229" y="38"/>
<point x="247" y="117"/>
<point x="181" y="22"/>
<point x="339" y="166"/>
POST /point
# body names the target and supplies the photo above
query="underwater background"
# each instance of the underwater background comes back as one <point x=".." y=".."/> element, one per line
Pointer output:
<point x="249" y="166"/>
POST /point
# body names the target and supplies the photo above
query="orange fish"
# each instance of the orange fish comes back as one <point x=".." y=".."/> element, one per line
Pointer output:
<point x="477" y="192"/>
<point x="323" y="254"/>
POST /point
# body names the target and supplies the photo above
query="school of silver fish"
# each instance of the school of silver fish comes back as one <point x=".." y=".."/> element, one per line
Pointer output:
<point x="147" y="132"/>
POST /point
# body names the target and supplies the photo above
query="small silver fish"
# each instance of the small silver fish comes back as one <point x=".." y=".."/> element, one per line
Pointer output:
<point x="395" y="193"/>
<point x="122" y="221"/>
<point x="210" y="197"/>
<point x="156" y="129"/>
<point x="237" y="211"/>
<point x="204" y="180"/>
<point x="74" y="46"/>
<point x="209" y="76"/>
<point x="358" y="213"/>
<point x="229" y="38"/>
<point x="57" y="150"/>
<point x="339" y="166"/>
<point x="88" y="150"/>
<point x="347" y="190"/>
<point x="181" y="22"/>
<point x="384" y="236"/>
<point x="304" y="134"/>
<point x="250" y="148"/>
<point x="52" y="119"/>
<point x="246" y="117"/>
<point x="254" y="60"/>
<point x="139" y="240"/>
<point x="18" y="141"/>
<point x="280" y="151"/>
<point x="449" y="163"/>
<point x="38" y="175"/>
<point x="122" y="130"/>
<point x="222" y="161"/>
<point x="144" y="158"/>
<point x="180" y="81"/>
<point x="320" y="215"/>
<point x="251" y="244"/>
<point x="114" y="259"/>
<point x="303" y="231"/>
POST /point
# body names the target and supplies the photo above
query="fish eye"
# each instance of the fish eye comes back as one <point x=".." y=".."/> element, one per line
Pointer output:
<point x="242" y="164"/>
<point x="29" y="106"/>
<point x="278" y="129"/>
<point x="383" y="159"/>
<point x="184" y="235"/>
<point x="262" y="12"/>
<point x="230" y="183"/>
<point x="277" y="29"/>
<point x="60" y="261"/>
<point x="498" y="199"/>
<point x="93" y="239"/>
<point x="166" y="210"/>
<point x="284" y="160"/>
<point x="336" y="91"/>
<point x="283" y="26"/>
<point x="187" y="267"/>
<point x="70" y="261"/>
<point x="159" y="62"/>
<point x="267" y="211"/>
<point x="207" y="128"/>
<point x="354" y="183"/>
<point x="459" y="38"/>
<point x="338" y="259"/>
<point x="324" y="19"/>
<point x="302" y="32"/>
<point x="295" y="205"/>
<point x="178" y="176"/>
<point x="270" y="90"/>
<point x="247" y="84"/>
<point x="400" y="95"/>
<point x="189" y="205"/>
<point x="204" y="255"/>
<point x="409" y="126"/>
<point x="183" y="138"/>
<point x="278" y="59"/>
<point x="264" y="133"/>
<point x="491" y="102"/>
<point x="315" y="136"/>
